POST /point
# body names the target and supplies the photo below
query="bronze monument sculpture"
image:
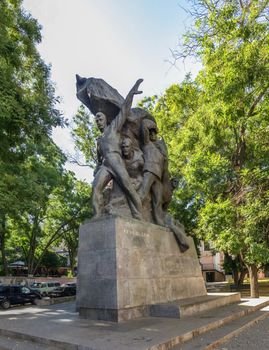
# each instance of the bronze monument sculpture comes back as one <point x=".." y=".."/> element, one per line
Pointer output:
<point x="134" y="259"/>
<point x="131" y="158"/>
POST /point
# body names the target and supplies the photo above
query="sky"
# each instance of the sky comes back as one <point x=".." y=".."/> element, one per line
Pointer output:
<point x="116" y="40"/>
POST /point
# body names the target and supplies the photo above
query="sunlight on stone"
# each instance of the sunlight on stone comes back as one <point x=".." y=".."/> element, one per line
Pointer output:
<point x="152" y="329"/>
<point x="254" y="301"/>
<point x="102" y="324"/>
<point x="265" y="309"/>
<point x="64" y="320"/>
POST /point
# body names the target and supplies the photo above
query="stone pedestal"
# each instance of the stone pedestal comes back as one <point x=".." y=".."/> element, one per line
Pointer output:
<point x="125" y="266"/>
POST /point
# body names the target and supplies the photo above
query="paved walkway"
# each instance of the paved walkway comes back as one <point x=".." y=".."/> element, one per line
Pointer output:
<point x="9" y="343"/>
<point x="60" y="326"/>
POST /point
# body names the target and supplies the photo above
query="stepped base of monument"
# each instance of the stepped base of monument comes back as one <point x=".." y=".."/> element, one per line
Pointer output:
<point x="60" y="327"/>
<point x="176" y="309"/>
<point x="193" y="306"/>
<point x="115" y="315"/>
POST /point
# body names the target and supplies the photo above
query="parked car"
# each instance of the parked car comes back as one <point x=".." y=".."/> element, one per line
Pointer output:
<point x="15" y="294"/>
<point x="70" y="284"/>
<point x="63" y="291"/>
<point x="45" y="287"/>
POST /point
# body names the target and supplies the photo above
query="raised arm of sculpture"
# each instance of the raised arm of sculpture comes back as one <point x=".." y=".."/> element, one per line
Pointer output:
<point x="118" y="122"/>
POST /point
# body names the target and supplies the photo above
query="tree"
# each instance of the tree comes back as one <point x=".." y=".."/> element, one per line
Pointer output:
<point x="217" y="142"/>
<point x="85" y="133"/>
<point x="68" y="207"/>
<point x="51" y="260"/>
<point x="27" y="95"/>
<point x="59" y="213"/>
<point x="235" y="266"/>
<point x="70" y="240"/>
<point x="28" y="224"/>
<point x="27" y="115"/>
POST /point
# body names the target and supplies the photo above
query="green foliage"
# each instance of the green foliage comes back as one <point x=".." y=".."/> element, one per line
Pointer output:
<point x="85" y="132"/>
<point x="27" y="110"/>
<point x="51" y="260"/>
<point x="216" y="129"/>
<point x="31" y="165"/>
<point x="27" y="95"/>
<point x="57" y="217"/>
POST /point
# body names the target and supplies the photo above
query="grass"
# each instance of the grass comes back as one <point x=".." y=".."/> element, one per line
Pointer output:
<point x="245" y="293"/>
<point x="263" y="289"/>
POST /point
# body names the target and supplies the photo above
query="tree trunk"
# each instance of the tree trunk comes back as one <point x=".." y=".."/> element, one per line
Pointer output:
<point x="31" y="261"/>
<point x="72" y="266"/>
<point x="3" y="244"/>
<point x="71" y="257"/>
<point x="253" y="276"/>
<point x="235" y="276"/>
<point x="243" y="273"/>
<point x="35" y="233"/>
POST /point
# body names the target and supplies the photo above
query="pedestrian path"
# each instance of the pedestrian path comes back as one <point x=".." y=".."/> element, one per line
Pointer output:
<point x="59" y="326"/>
<point x="11" y="343"/>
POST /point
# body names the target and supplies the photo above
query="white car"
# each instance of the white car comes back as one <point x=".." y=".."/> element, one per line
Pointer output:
<point x="45" y="287"/>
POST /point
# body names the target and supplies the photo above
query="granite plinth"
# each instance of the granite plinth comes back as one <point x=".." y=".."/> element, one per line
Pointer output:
<point x="125" y="266"/>
<point x="193" y="306"/>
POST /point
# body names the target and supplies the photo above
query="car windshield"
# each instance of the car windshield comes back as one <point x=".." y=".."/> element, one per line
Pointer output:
<point x="36" y="285"/>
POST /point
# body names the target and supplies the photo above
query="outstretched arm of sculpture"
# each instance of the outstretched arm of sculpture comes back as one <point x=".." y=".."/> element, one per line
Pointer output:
<point x="99" y="160"/>
<point x="126" y="107"/>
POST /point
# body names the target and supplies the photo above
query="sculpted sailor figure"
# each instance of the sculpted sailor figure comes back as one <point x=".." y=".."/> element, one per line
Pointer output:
<point x="154" y="169"/>
<point x="133" y="159"/>
<point x="111" y="165"/>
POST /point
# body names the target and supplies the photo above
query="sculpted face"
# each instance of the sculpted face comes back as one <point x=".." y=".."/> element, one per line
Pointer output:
<point x="126" y="147"/>
<point x="100" y="120"/>
<point x="152" y="135"/>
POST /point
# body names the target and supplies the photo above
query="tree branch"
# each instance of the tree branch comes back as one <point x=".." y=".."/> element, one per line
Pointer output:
<point x="256" y="101"/>
<point x="58" y="233"/>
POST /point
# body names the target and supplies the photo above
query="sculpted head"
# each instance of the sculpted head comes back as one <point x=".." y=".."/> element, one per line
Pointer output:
<point x="152" y="129"/>
<point x="126" y="147"/>
<point x="101" y="121"/>
<point x="153" y="134"/>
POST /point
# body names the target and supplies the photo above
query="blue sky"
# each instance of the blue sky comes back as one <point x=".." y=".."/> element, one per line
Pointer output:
<point x="117" y="40"/>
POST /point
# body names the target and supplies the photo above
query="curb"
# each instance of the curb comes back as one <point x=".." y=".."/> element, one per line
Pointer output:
<point x="234" y="333"/>
<point x="43" y="341"/>
<point x="52" y="301"/>
<point x="211" y="326"/>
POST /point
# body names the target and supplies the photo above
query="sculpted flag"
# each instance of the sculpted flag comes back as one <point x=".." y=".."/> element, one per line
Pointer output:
<point x="99" y="96"/>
